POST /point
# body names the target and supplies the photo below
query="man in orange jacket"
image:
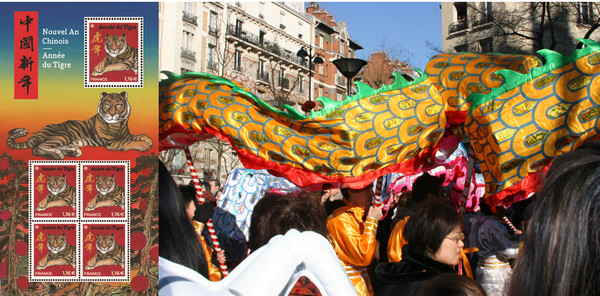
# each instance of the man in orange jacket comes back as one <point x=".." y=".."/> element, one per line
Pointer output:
<point x="354" y="235"/>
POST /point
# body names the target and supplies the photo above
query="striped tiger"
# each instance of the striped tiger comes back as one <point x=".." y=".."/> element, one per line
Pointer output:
<point x="59" y="252"/>
<point x="119" y="56"/>
<point x="109" y="194"/>
<point x="108" y="128"/>
<point x="109" y="252"/>
<point x="60" y="194"/>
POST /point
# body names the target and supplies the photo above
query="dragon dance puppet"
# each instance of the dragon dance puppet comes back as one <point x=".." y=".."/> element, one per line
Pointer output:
<point x="517" y="112"/>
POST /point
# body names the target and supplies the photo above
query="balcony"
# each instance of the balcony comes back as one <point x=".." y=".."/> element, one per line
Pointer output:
<point x="263" y="77"/>
<point x="190" y="18"/>
<point x="482" y="20"/>
<point x="340" y="81"/>
<point x="264" y="45"/>
<point x="212" y="31"/>
<point x="212" y="65"/>
<point x="188" y="54"/>
<point x="284" y="83"/>
<point x="457" y="26"/>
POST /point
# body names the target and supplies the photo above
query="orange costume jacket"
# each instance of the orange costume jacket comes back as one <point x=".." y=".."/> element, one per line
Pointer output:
<point x="354" y="244"/>
<point x="397" y="241"/>
<point x="214" y="273"/>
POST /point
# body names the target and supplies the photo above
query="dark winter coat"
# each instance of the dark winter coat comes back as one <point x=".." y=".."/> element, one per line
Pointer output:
<point x="409" y="276"/>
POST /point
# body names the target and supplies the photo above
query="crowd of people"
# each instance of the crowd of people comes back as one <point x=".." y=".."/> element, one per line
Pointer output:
<point x="416" y="244"/>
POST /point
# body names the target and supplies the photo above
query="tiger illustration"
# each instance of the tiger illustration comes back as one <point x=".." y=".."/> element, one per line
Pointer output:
<point x="108" y="128"/>
<point x="119" y="56"/>
<point x="109" y="252"/>
<point x="60" y="194"/>
<point x="59" y="252"/>
<point x="109" y="194"/>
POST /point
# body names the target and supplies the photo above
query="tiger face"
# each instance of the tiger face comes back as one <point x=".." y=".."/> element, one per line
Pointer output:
<point x="105" y="184"/>
<point x="105" y="243"/>
<point x="114" y="107"/>
<point x="115" y="45"/>
<point x="56" y="184"/>
<point x="57" y="243"/>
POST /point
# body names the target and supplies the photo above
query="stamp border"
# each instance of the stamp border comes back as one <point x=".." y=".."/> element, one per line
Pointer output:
<point x="140" y="74"/>
<point x="126" y="253"/>
<point x="31" y="190"/>
<point x="34" y="278"/>
<point x="127" y="201"/>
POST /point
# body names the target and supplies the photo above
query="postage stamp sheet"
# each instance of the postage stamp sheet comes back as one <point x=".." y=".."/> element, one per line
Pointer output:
<point x="79" y="220"/>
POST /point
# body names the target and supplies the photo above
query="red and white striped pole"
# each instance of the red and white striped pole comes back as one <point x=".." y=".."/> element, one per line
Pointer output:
<point x="209" y="224"/>
<point x="378" y="187"/>
<point x="514" y="229"/>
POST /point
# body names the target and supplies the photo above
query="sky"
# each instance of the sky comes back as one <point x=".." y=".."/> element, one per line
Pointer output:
<point x="405" y="27"/>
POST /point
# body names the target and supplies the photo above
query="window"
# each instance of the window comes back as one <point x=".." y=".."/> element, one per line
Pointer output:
<point x="261" y="67"/>
<point x="212" y="29"/>
<point x="187" y="39"/>
<point x="461" y="11"/>
<point x="261" y="37"/>
<point x="300" y="84"/>
<point x="461" y="48"/>
<point x="188" y="7"/>
<point x="300" y="29"/>
<point x="237" y="60"/>
<point x="486" y="45"/>
<point x="485" y="15"/>
<point x="211" y="61"/>
<point x="238" y="27"/>
<point x="282" y="20"/>
<point x="261" y="9"/>
<point x="585" y="13"/>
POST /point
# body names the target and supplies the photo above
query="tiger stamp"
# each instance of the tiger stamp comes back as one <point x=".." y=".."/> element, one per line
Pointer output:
<point x="114" y="52"/>
<point x="53" y="251"/>
<point x="105" y="251"/>
<point x="53" y="189"/>
<point x="105" y="190"/>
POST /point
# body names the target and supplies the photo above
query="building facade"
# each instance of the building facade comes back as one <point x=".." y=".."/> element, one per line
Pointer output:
<point x="517" y="27"/>
<point x="257" y="45"/>
<point x="331" y="42"/>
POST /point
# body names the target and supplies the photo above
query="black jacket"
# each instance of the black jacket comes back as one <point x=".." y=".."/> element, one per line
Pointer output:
<point x="409" y="276"/>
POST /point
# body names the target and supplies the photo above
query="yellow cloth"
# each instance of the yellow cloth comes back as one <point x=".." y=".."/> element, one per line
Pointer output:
<point x="214" y="273"/>
<point x="354" y="243"/>
<point x="397" y="241"/>
<point x="465" y="260"/>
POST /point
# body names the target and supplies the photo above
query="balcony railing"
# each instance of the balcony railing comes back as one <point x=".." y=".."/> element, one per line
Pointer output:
<point x="340" y="81"/>
<point x="212" y="31"/>
<point x="265" y="45"/>
<point x="264" y="77"/>
<point x="284" y="83"/>
<point x="482" y="20"/>
<point x="211" y="65"/>
<point x="188" y="54"/>
<point x="190" y="18"/>
<point x="457" y="26"/>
